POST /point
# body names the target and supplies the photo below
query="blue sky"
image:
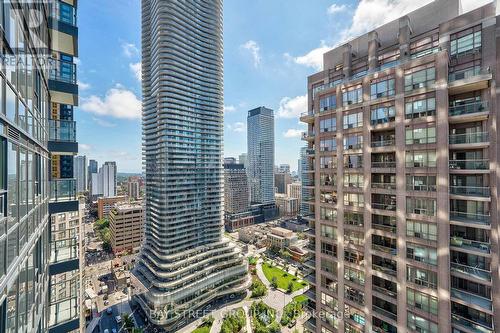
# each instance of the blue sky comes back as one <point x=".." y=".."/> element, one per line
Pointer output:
<point x="270" y="47"/>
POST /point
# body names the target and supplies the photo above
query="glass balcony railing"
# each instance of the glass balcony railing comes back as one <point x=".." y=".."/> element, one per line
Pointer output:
<point x="467" y="73"/>
<point x="307" y="114"/>
<point x="472" y="326"/>
<point x="384" y="206"/>
<point x="469" y="164"/>
<point x="467" y="138"/>
<point x="62" y="190"/>
<point x="64" y="13"/>
<point x="383" y="143"/>
<point x="386" y="313"/>
<point x="467" y="244"/>
<point x="383" y="269"/>
<point x="63" y="71"/>
<point x="385" y="249"/>
<point x="471" y="271"/>
<point x="385" y="186"/>
<point x="62" y="130"/>
<point x="472" y="299"/>
<point x="468" y="108"/>
<point x="470" y="191"/>
<point x="383" y="164"/>
<point x="476" y="218"/>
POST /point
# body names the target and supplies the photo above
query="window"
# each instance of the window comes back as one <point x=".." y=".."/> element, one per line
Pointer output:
<point x="352" y="95"/>
<point x="421" y="206"/>
<point x="425" y="46"/>
<point x="421" y="277"/>
<point x="421" y="135"/>
<point x="12" y="185"/>
<point x="327" y="180"/>
<point x="329" y="284"/>
<point x="354" y="199"/>
<point x="328" y="162"/>
<point x="329" y="144"/>
<point x="328" y="232"/>
<point x="352" y="218"/>
<point x="354" y="257"/>
<point x="11" y="103"/>
<point x="353" y="180"/>
<point x="353" y="161"/>
<point x="329" y="301"/>
<point x="328" y="125"/>
<point x="354" y="237"/>
<point x="354" y="295"/>
<point x="329" y="266"/>
<point x="328" y="197"/>
<point x="353" y="120"/>
<point x="353" y="275"/>
<point x="420" y="108"/>
<point x="353" y="141"/>
<point x="417" y="78"/>
<point x="66" y="13"/>
<point x="421" y="230"/>
<point x="356" y="315"/>
<point x="328" y="214"/>
<point x="465" y="42"/>
<point x="327" y="103"/>
<point x="421" y="159"/>
<point x="422" y="325"/>
<point x="424" y="302"/>
<point x="420" y="183"/>
<point x="382" y="115"/>
<point x="382" y="88"/>
<point x="421" y="253"/>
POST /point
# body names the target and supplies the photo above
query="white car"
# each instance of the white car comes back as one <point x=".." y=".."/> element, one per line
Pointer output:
<point x="118" y="319"/>
<point x="106" y="331"/>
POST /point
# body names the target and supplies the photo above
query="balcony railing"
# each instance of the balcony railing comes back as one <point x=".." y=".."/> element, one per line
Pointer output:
<point x="385" y="291"/>
<point x="469" y="164"/>
<point x="468" y="138"/>
<point x="64" y="71"/>
<point x="384" y="249"/>
<point x="468" y="244"/>
<point x="307" y="114"/>
<point x="384" y="269"/>
<point x="383" y="164"/>
<point x="383" y="143"/>
<point x="384" y="206"/>
<point x="62" y="190"/>
<point x="386" y="186"/>
<point x="421" y="187"/>
<point x="386" y="313"/>
<point x="467" y="73"/>
<point x="471" y="271"/>
<point x="472" y="299"/>
<point x="476" y="218"/>
<point x="62" y="130"/>
<point x="384" y="227"/>
<point x="472" y="326"/>
<point x="470" y="191"/>
<point x="468" y="108"/>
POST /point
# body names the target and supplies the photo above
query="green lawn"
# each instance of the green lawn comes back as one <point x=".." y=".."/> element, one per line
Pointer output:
<point x="300" y="299"/>
<point x="202" y="329"/>
<point x="283" y="278"/>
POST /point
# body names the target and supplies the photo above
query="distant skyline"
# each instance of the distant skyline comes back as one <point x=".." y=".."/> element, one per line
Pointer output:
<point x="267" y="62"/>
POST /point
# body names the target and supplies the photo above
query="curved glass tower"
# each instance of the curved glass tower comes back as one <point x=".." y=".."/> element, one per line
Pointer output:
<point x="185" y="262"/>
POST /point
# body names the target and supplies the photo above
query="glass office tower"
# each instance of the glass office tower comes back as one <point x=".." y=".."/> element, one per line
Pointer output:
<point x="39" y="262"/>
<point x="185" y="263"/>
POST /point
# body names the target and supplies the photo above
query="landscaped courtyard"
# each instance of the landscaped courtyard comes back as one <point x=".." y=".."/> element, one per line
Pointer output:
<point x="283" y="279"/>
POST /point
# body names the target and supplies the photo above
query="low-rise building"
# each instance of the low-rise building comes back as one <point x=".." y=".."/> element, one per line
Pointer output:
<point x="105" y="205"/>
<point x="126" y="223"/>
<point x="287" y="206"/>
<point x="281" y="238"/>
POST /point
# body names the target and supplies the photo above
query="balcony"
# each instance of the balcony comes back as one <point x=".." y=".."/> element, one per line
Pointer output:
<point x="468" y="138"/>
<point x="481" y="164"/>
<point x="63" y="196"/>
<point x="310" y="294"/>
<point x="468" y="109"/>
<point x="474" y="272"/>
<point x="384" y="206"/>
<point x="469" y="79"/>
<point x="384" y="269"/>
<point x="388" y="164"/>
<point x="307" y="117"/>
<point x="311" y="278"/>
<point x="62" y="71"/>
<point x="310" y="325"/>
<point x="63" y="82"/>
<point x="308" y="136"/>
<point x="470" y="325"/>
<point x="383" y="143"/>
<point x="473" y="191"/>
<point x="475" y="218"/>
<point x="472" y="299"/>
<point x="62" y="136"/>
<point x="64" y="16"/>
<point x="385" y="186"/>
<point x="385" y="313"/>
<point x="471" y="245"/>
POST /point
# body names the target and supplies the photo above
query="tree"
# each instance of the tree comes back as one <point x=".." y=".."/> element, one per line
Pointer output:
<point x="128" y="322"/>
<point x="208" y="321"/>
<point x="290" y="287"/>
<point x="274" y="282"/>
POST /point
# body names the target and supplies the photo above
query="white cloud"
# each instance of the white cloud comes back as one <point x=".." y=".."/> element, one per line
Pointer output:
<point x="136" y="68"/>
<point x="314" y="58"/>
<point x="238" y="127"/>
<point x="118" y="102"/>
<point x="102" y="122"/>
<point x="130" y="50"/>
<point x="84" y="146"/>
<point x="229" y="108"/>
<point x="254" y="49"/>
<point x="334" y="9"/>
<point x="292" y="133"/>
<point x="292" y="107"/>
<point x="83" y="85"/>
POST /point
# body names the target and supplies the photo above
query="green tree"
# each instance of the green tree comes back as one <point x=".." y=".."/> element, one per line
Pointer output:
<point x="290" y="287"/>
<point x="274" y="282"/>
<point x="128" y="322"/>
